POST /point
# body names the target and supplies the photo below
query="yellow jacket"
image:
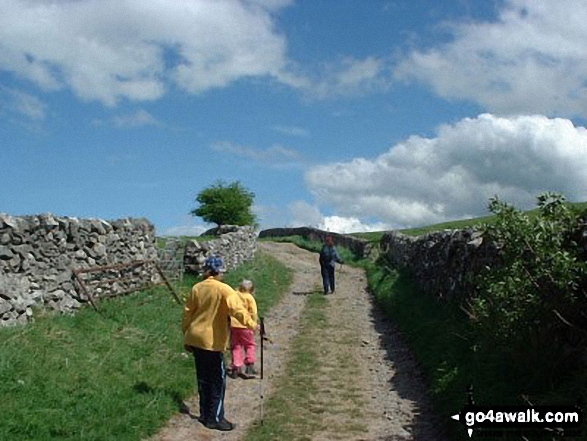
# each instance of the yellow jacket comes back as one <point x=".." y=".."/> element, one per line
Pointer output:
<point x="251" y="305"/>
<point x="206" y="313"/>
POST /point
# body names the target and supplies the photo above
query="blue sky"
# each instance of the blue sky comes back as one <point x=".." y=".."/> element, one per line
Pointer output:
<point x="346" y="115"/>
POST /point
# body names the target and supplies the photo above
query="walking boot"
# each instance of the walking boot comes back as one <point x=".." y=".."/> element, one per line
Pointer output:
<point x="235" y="372"/>
<point x="250" y="370"/>
<point x="224" y="425"/>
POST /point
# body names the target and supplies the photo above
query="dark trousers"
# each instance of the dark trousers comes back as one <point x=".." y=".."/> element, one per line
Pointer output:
<point x="327" y="277"/>
<point x="211" y="373"/>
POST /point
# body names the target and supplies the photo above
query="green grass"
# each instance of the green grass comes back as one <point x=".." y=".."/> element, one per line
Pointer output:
<point x="444" y="343"/>
<point x="271" y="279"/>
<point x="291" y="412"/>
<point x="315" y="246"/>
<point x="114" y="375"/>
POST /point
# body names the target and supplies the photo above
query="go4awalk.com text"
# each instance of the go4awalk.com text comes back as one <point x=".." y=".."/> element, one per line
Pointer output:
<point x="481" y="420"/>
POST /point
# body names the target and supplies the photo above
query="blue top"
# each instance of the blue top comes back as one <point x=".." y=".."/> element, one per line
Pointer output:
<point x="329" y="256"/>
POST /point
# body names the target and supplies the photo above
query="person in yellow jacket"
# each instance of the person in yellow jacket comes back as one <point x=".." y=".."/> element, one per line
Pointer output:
<point x="205" y="327"/>
<point x="242" y="340"/>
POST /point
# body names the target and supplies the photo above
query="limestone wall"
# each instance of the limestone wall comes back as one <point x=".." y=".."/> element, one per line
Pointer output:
<point x="39" y="253"/>
<point x="440" y="261"/>
<point x="234" y="244"/>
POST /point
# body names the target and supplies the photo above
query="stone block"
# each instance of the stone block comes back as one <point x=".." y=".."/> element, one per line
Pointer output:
<point x="5" y="253"/>
<point x="5" y="306"/>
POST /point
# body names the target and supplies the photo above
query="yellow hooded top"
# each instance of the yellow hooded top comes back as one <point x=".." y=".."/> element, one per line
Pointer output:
<point x="205" y="322"/>
<point x="251" y="305"/>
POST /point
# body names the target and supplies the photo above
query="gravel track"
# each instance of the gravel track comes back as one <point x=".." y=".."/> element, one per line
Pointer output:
<point x="393" y="400"/>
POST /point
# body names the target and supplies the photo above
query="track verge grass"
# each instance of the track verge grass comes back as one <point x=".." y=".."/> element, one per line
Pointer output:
<point x="445" y="345"/>
<point x="118" y="374"/>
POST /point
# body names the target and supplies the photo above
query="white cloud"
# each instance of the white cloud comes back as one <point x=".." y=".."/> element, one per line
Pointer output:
<point x="23" y="103"/>
<point x="292" y="131"/>
<point x="532" y="59"/>
<point x="276" y="155"/>
<point x="138" y="119"/>
<point x="185" y="230"/>
<point x="304" y="214"/>
<point x="107" y="50"/>
<point x="345" y="225"/>
<point x="423" y="181"/>
<point x="343" y="77"/>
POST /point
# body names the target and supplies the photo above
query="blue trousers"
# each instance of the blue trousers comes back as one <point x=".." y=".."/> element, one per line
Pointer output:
<point x="211" y="373"/>
<point x="327" y="277"/>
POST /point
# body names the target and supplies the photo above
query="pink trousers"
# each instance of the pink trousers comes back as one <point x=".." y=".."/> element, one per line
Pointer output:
<point x="242" y="341"/>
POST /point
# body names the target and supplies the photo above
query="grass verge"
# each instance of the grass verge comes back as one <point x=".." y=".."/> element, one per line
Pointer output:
<point x="118" y="374"/>
<point x="315" y="246"/>
<point x="444" y="343"/>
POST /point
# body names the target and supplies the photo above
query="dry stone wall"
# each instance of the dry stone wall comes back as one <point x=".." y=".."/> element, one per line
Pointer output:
<point x="360" y="247"/>
<point x="440" y="261"/>
<point x="39" y="253"/>
<point x="235" y="245"/>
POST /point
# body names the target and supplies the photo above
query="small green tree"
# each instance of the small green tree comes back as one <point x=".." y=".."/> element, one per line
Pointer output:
<point x="226" y="204"/>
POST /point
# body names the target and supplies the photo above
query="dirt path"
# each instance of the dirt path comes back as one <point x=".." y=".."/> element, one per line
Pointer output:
<point x="385" y="394"/>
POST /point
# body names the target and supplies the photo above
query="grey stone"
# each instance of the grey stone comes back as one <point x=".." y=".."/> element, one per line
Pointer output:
<point x="98" y="250"/>
<point x="8" y="221"/>
<point x="97" y="226"/>
<point x="55" y="295"/>
<point x="477" y="242"/>
<point x="4" y="239"/>
<point x="37" y="296"/>
<point x="17" y="238"/>
<point x="6" y="253"/>
<point x="5" y="306"/>
<point x="64" y="276"/>
<point x="23" y="250"/>
<point x="25" y="265"/>
<point x="80" y="254"/>
<point x="49" y="221"/>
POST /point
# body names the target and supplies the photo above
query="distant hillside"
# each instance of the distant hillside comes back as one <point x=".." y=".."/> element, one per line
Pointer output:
<point x="375" y="236"/>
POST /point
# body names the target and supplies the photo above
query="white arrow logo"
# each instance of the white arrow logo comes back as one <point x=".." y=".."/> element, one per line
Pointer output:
<point x="457" y="417"/>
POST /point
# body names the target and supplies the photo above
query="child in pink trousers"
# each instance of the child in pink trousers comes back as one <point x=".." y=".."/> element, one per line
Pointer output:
<point x="242" y="339"/>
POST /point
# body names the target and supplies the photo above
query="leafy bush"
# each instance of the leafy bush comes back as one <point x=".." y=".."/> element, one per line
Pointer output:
<point x="534" y="301"/>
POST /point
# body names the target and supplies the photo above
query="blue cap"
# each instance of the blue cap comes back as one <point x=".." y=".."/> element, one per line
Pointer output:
<point x="214" y="264"/>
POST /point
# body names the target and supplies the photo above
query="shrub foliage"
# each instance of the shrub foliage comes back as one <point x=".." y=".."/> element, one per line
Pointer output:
<point x="534" y="302"/>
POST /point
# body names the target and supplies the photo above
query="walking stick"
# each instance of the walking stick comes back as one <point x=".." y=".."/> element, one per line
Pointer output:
<point x="262" y="333"/>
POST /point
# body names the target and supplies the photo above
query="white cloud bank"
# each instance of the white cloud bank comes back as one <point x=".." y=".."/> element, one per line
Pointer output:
<point x="424" y="181"/>
<point x="304" y="214"/>
<point x="108" y="50"/>
<point x="531" y="60"/>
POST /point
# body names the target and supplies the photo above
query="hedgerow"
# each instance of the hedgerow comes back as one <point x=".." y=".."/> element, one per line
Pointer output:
<point x="533" y="303"/>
